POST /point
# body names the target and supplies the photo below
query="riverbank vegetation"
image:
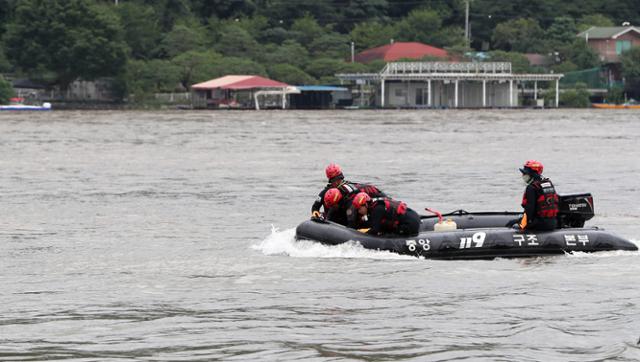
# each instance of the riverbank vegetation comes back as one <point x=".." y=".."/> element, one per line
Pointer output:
<point x="167" y="45"/>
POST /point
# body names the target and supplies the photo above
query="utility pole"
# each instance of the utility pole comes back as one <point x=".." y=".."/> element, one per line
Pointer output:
<point x="353" y="51"/>
<point x="467" y="36"/>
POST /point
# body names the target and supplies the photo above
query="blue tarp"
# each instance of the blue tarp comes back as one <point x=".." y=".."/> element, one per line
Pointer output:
<point x="320" y="88"/>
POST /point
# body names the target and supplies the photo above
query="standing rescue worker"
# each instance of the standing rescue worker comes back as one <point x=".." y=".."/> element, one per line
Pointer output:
<point x="341" y="208"/>
<point x="387" y="216"/>
<point x="540" y="200"/>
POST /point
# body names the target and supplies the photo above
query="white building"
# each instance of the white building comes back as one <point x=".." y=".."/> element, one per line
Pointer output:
<point x="450" y="84"/>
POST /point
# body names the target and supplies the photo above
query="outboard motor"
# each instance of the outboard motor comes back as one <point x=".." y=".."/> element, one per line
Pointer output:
<point x="575" y="210"/>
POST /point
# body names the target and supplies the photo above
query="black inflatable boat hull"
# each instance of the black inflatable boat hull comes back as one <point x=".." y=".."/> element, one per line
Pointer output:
<point x="470" y="241"/>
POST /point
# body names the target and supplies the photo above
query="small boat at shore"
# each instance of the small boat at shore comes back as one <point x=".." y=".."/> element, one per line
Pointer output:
<point x="616" y="106"/>
<point x="16" y="104"/>
<point x="481" y="235"/>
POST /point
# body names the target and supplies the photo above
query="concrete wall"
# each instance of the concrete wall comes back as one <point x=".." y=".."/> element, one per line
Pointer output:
<point x="97" y="90"/>
<point x="414" y="94"/>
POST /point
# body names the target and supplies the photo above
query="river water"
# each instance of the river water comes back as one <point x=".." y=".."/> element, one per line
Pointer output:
<point x="169" y="236"/>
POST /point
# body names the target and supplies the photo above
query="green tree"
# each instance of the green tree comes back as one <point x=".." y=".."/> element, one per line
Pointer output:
<point x="223" y="8"/>
<point x="290" y="74"/>
<point x="287" y="10"/>
<point x="615" y="95"/>
<point x="421" y="26"/>
<point x="196" y="66"/>
<point x="6" y="91"/>
<point x="375" y="66"/>
<point x="450" y="36"/>
<point x="239" y="66"/>
<point x="373" y="10"/>
<point x="72" y="38"/>
<point x="563" y="31"/>
<point x="307" y="29"/>
<point x="5" y="66"/>
<point x="255" y="25"/>
<point x="372" y="34"/>
<point x="519" y="63"/>
<point x="565" y="67"/>
<point x="325" y="69"/>
<point x="631" y="63"/>
<point x="141" y="28"/>
<point x="290" y="52"/>
<point x="234" y="41"/>
<point x="331" y="45"/>
<point x="521" y="35"/>
<point x="631" y="70"/>
<point x="277" y="35"/>
<point x="183" y="38"/>
<point x="141" y="79"/>
<point x="588" y="21"/>
<point x="171" y="11"/>
<point x="348" y="67"/>
<point x="445" y="9"/>
<point x="6" y="13"/>
<point x="575" y="98"/>
<point x="580" y="54"/>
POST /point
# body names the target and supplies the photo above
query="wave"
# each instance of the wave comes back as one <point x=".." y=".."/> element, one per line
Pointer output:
<point x="285" y="243"/>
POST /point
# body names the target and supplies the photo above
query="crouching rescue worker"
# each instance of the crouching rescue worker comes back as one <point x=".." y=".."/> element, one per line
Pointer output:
<point x="540" y="200"/>
<point x="333" y="208"/>
<point x="341" y="208"/>
<point x="384" y="215"/>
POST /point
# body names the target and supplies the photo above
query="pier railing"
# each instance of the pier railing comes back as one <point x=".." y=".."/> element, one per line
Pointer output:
<point x="447" y="67"/>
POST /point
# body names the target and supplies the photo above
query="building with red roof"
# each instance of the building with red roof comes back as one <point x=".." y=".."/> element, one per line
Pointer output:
<point x="235" y="91"/>
<point x="237" y="82"/>
<point x="400" y="50"/>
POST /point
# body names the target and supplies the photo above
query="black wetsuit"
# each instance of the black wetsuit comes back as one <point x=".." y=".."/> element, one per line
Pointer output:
<point x="540" y="203"/>
<point x="387" y="216"/>
<point x="319" y="200"/>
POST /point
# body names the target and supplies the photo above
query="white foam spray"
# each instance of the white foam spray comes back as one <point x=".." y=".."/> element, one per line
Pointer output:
<point x="607" y="254"/>
<point x="285" y="243"/>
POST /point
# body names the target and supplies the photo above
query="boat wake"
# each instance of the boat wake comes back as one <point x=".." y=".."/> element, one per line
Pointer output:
<point x="285" y="243"/>
<point x="607" y="254"/>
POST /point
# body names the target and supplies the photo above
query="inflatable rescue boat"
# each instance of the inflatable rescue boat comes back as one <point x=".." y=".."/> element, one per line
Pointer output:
<point x="481" y="235"/>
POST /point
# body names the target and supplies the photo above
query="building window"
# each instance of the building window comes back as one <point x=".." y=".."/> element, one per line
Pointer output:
<point x="622" y="46"/>
<point x="422" y="96"/>
<point x="399" y="92"/>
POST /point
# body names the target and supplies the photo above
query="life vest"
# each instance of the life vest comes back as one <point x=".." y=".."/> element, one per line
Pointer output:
<point x="393" y="211"/>
<point x="546" y="199"/>
<point x="349" y="190"/>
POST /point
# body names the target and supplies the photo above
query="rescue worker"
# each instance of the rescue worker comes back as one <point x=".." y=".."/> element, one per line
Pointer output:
<point x="332" y="206"/>
<point x="540" y="200"/>
<point x="343" y="205"/>
<point x="386" y="216"/>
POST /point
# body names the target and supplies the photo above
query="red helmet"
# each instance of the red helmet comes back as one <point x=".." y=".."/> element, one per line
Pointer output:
<point x="333" y="171"/>
<point x="332" y="197"/>
<point x="361" y="199"/>
<point x="532" y="166"/>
